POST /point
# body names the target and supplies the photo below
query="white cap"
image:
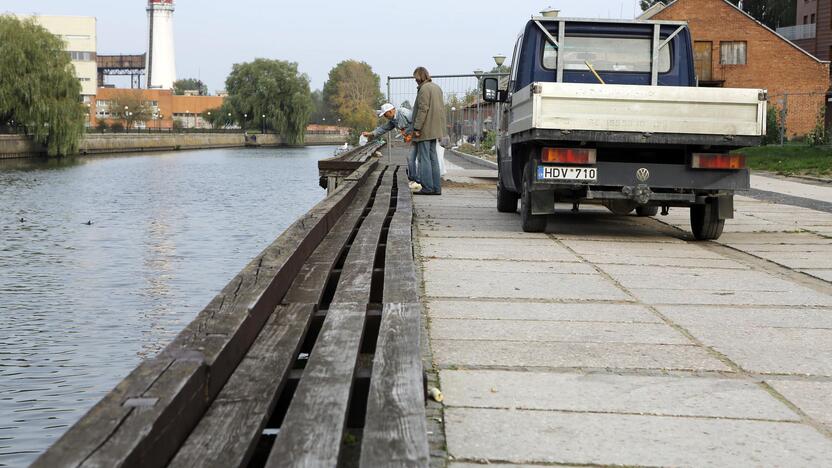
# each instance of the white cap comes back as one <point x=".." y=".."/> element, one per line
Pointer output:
<point x="385" y="108"/>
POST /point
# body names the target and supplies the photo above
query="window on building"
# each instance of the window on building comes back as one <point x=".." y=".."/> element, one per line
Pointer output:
<point x="812" y="19"/>
<point x="805" y="19"/>
<point x="733" y="53"/>
<point x="81" y="56"/>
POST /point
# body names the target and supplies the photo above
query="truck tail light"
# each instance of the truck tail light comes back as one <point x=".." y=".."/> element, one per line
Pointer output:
<point x="568" y="155"/>
<point x="717" y="161"/>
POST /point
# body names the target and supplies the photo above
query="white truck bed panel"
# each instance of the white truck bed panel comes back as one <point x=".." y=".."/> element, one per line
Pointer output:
<point x="627" y="108"/>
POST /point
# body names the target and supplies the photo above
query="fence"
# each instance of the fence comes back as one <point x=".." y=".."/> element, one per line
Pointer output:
<point x="798" y="114"/>
<point x="467" y="115"/>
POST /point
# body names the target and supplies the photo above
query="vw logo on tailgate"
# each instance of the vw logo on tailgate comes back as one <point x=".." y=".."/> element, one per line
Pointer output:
<point x="643" y="174"/>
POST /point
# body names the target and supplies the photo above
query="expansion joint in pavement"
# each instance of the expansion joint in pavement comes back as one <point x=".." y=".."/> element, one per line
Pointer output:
<point x="805" y="418"/>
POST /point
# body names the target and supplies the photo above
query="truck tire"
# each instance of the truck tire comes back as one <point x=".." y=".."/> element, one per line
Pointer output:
<point x="647" y="210"/>
<point x="530" y="222"/>
<point x="506" y="200"/>
<point x="705" y="222"/>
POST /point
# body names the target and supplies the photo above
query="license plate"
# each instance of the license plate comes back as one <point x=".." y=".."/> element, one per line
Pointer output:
<point x="567" y="173"/>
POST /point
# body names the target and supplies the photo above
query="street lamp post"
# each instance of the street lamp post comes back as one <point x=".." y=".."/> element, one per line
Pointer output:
<point x="478" y="73"/>
<point x="453" y="123"/>
<point x="499" y="59"/>
<point x="209" y="120"/>
<point x="263" y="123"/>
<point x="126" y="122"/>
<point x="245" y="121"/>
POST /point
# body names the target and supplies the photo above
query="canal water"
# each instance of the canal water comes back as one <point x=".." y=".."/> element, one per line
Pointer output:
<point x="103" y="260"/>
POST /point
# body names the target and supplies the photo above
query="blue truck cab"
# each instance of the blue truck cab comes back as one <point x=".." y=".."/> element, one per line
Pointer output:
<point x="609" y="112"/>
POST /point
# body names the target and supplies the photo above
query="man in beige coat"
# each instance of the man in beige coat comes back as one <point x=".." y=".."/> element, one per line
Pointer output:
<point x="429" y="124"/>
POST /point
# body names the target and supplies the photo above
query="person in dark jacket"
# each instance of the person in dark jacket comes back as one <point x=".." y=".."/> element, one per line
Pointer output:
<point x="429" y="126"/>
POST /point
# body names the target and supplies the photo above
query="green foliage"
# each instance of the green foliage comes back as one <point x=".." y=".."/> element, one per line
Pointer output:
<point x="353" y="93"/>
<point x="274" y="88"/>
<point x="790" y="159"/>
<point x="773" y="128"/>
<point x="190" y="84"/>
<point x="102" y="126"/>
<point x="38" y="87"/>
<point x="177" y="124"/>
<point x="646" y="4"/>
<point x="490" y="140"/>
<point x="501" y="69"/>
<point x="127" y="105"/>
<point x="818" y="136"/>
<point x="772" y="13"/>
<point x="117" y="127"/>
<point x="321" y="113"/>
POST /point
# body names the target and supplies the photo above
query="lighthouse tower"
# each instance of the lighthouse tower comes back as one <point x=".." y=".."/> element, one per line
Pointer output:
<point x="161" y="65"/>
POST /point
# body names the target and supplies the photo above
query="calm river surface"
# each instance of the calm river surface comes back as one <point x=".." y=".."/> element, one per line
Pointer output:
<point x="81" y="305"/>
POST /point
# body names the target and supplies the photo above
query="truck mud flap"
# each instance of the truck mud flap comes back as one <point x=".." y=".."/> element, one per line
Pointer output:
<point x="543" y="202"/>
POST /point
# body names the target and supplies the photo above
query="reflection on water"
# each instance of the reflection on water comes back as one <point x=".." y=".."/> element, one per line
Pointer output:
<point x="81" y="304"/>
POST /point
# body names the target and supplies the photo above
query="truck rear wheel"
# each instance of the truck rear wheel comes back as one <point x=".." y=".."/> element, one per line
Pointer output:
<point x="647" y="210"/>
<point x="506" y="200"/>
<point x="530" y="222"/>
<point x="705" y="222"/>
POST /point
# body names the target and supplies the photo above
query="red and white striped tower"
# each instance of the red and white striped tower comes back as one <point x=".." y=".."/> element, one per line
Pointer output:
<point x="161" y="62"/>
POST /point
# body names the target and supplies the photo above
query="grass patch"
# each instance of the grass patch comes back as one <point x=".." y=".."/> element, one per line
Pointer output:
<point x="790" y="159"/>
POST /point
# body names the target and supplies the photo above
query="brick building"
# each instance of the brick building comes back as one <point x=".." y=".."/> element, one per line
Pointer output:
<point x="164" y="104"/>
<point x="734" y="50"/>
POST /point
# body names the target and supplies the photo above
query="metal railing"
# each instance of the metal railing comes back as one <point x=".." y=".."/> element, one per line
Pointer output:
<point x="796" y="33"/>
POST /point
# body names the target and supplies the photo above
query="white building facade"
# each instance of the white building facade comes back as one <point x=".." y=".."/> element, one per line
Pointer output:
<point x="80" y="42"/>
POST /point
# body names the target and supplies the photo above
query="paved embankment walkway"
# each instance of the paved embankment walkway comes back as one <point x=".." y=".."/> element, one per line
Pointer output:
<point x="616" y="340"/>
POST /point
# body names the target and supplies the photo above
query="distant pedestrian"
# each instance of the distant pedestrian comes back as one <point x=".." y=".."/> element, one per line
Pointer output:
<point x="400" y="119"/>
<point x="429" y="126"/>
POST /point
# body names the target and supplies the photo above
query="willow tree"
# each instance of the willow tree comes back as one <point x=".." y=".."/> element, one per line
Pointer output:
<point x="274" y="88"/>
<point x="38" y="87"/>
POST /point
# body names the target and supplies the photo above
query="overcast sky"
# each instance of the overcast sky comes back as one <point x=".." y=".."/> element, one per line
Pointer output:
<point x="446" y="36"/>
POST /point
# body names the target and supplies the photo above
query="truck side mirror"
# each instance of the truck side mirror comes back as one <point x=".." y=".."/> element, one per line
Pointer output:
<point x="491" y="90"/>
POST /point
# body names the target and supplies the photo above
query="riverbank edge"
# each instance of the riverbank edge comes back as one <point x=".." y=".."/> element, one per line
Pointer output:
<point x="20" y="146"/>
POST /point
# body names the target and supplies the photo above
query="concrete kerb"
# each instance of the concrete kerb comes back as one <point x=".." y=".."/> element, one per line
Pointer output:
<point x="474" y="159"/>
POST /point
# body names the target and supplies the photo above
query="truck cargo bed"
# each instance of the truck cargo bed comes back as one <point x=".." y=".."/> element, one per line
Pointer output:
<point x="638" y="113"/>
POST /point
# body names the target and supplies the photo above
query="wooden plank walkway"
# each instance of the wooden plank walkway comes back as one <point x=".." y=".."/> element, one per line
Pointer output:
<point x="309" y="357"/>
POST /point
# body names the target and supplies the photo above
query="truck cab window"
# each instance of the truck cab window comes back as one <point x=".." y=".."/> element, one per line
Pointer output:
<point x="606" y="54"/>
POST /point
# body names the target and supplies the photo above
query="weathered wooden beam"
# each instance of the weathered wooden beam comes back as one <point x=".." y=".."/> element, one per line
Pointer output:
<point x="228" y="433"/>
<point x="314" y="425"/>
<point x="395" y="430"/>
<point x="144" y="420"/>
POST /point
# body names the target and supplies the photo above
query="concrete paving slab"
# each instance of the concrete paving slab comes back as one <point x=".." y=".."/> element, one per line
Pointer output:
<point x="794" y="351"/>
<point x="793" y="188"/>
<point x="455" y="353"/>
<point x="672" y="278"/>
<point x="802" y="238"/>
<point x="814" y="398"/>
<point x="800" y="296"/>
<point x="562" y="312"/>
<point x="744" y="318"/>
<point x="496" y="249"/>
<point x="709" y="263"/>
<point x="545" y="286"/>
<point x="506" y="266"/>
<point x="797" y="260"/>
<point x="546" y="437"/>
<point x="506" y="233"/>
<point x="640" y="249"/>
<point x="571" y="332"/>
<point x="825" y="275"/>
<point x="606" y="393"/>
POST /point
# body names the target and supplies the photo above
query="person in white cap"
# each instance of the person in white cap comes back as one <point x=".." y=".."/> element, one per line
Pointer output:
<point x="400" y="119"/>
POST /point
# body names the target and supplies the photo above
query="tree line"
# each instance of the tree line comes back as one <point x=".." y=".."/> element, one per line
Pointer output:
<point x="772" y="13"/>
<point x="40" y="94"/>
